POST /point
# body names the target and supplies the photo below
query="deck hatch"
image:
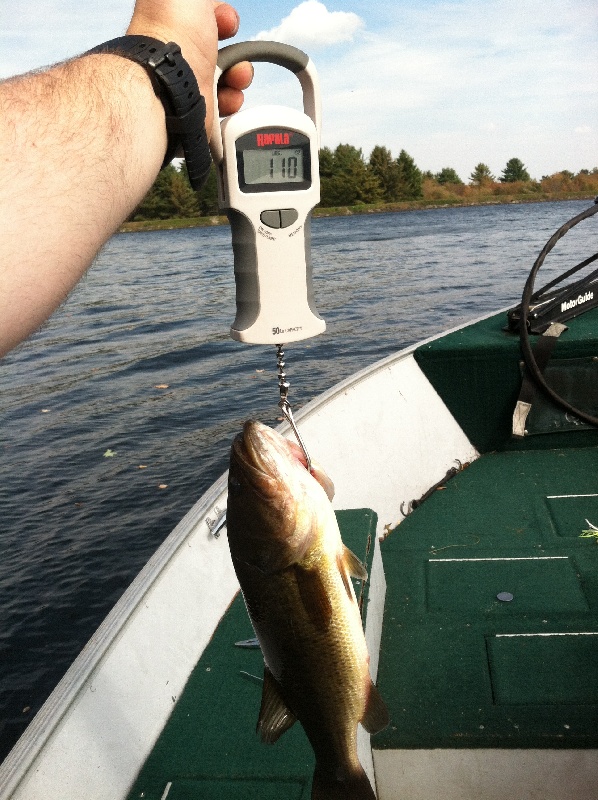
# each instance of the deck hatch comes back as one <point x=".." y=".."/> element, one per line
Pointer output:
<point x="544" y="669"/>
<point x="472" y="584"/>
<point x="570" y="513"/>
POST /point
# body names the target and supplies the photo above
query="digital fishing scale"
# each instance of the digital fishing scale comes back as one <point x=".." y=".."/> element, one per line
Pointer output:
<point x="268" y="183"/>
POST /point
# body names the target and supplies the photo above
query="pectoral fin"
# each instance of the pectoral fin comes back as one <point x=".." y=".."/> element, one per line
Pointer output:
<point x="354" y="566"/>
<point x="350" y="566"/>
<point x="376" y="716"/>
<point x="275" y="717"/>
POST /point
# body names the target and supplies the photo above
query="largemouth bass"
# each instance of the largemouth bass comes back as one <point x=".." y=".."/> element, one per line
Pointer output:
<point x="295" y="575"/>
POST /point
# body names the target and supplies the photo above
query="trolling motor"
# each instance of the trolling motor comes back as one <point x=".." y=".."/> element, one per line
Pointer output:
<point x="548" y="304"/>
<point x="544" y="312"/>
<point x="268" y="183"/>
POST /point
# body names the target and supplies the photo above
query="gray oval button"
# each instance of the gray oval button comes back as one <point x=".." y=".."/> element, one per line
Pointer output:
<point x="504" y="597"/>
<point x="271" y="218"/>
<point x="288" y="216"/>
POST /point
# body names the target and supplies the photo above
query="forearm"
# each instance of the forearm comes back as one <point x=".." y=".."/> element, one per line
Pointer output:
<point x="84" y="142"/>
<point x="80" y="146"/>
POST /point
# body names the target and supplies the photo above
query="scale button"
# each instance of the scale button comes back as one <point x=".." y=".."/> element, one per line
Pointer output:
<point x="288" y="216"/>
<point x="271" y="219"/>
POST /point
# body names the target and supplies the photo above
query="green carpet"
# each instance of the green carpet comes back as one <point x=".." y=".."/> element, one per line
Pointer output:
<point x="460" y="667"/>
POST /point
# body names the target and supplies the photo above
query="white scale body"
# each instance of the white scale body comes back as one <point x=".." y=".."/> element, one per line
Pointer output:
<point x="269" y="182"/>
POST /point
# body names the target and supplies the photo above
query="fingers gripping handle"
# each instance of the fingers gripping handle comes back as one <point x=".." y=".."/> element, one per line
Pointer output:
<point x="284" y="55"/>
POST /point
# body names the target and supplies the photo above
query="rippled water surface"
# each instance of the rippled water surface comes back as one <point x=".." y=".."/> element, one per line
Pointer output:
<point x="154" y="311"/>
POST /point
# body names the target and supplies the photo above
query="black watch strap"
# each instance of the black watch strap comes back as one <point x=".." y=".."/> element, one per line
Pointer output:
<point x="176" y="86"/>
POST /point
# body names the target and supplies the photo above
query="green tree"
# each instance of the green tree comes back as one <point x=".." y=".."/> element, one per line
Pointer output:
<point x="447" y="175"/>
<point x="182" y="196"/>
<point x="347" y="181"/>
<point x="382" y="165"/>
<point x="410" y="177"/>
<point x="170" y="196"/>
<point x="481" y="175"/>
<point x="326" y="163"/>
<point x="156" y="204"/>
<point x="514" y="171"/>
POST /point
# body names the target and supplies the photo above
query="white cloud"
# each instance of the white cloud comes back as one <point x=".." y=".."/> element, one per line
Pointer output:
<point x="455" y="83"/>
<point x="311" y="25"/>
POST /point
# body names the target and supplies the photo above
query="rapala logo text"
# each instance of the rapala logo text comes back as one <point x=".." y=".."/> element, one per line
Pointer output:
<point x="577" y="301"/>
<point x="268" y="139"/>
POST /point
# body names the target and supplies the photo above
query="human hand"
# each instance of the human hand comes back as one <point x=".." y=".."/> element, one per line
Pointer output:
<point x="196" y="26"/>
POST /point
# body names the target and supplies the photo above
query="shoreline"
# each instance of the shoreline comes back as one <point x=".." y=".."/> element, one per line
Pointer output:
<point x="345" y="211"/>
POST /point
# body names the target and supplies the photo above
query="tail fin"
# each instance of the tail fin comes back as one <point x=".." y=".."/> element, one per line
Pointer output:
<point x="354" y="786"/>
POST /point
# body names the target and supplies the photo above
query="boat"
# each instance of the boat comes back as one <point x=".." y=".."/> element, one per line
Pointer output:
<point x="472" y="497"/>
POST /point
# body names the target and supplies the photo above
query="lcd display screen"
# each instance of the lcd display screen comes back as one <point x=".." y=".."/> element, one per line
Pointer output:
<point x="273" y="166"/>
<point x="273" y="160"/>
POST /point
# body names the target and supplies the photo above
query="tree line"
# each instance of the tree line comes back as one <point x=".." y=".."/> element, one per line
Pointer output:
<point x="348" y="179"/>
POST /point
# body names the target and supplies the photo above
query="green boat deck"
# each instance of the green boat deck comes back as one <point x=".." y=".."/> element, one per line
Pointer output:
<point x="490" y="636"/>
<point x="460" y="667"/>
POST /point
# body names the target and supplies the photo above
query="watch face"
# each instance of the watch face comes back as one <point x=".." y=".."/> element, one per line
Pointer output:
<point x="273" y="160"/>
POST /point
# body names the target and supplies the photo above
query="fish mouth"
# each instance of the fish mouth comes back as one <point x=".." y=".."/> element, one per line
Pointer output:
<point x="244" y="457"/>
<point x="266" y="458"/>
<point x="266" y="450"/>
<point x="256" y="455"/>
<point x="264" y="455"/>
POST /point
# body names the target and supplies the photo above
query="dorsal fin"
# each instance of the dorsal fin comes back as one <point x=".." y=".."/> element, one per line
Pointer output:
<point x="275" y="716"/>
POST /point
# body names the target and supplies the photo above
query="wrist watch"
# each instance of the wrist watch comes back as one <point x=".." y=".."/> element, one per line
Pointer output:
<point x="176" y="86"/>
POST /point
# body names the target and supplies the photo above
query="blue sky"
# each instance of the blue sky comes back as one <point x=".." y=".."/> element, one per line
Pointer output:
<point x="452" y="82"/>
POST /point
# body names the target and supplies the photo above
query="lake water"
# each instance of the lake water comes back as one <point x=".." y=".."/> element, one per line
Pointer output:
<point x="77" y="525"/>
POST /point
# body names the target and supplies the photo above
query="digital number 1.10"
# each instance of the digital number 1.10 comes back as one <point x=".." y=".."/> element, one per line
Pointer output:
<point x="286" y="168"/>
<point x="275" y="166"/>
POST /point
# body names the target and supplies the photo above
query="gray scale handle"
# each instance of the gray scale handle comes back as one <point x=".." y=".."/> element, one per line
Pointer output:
<point x="283" y="55"/>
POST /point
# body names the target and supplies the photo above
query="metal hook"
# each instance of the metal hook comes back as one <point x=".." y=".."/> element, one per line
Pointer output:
<point x="288" y="415"/>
